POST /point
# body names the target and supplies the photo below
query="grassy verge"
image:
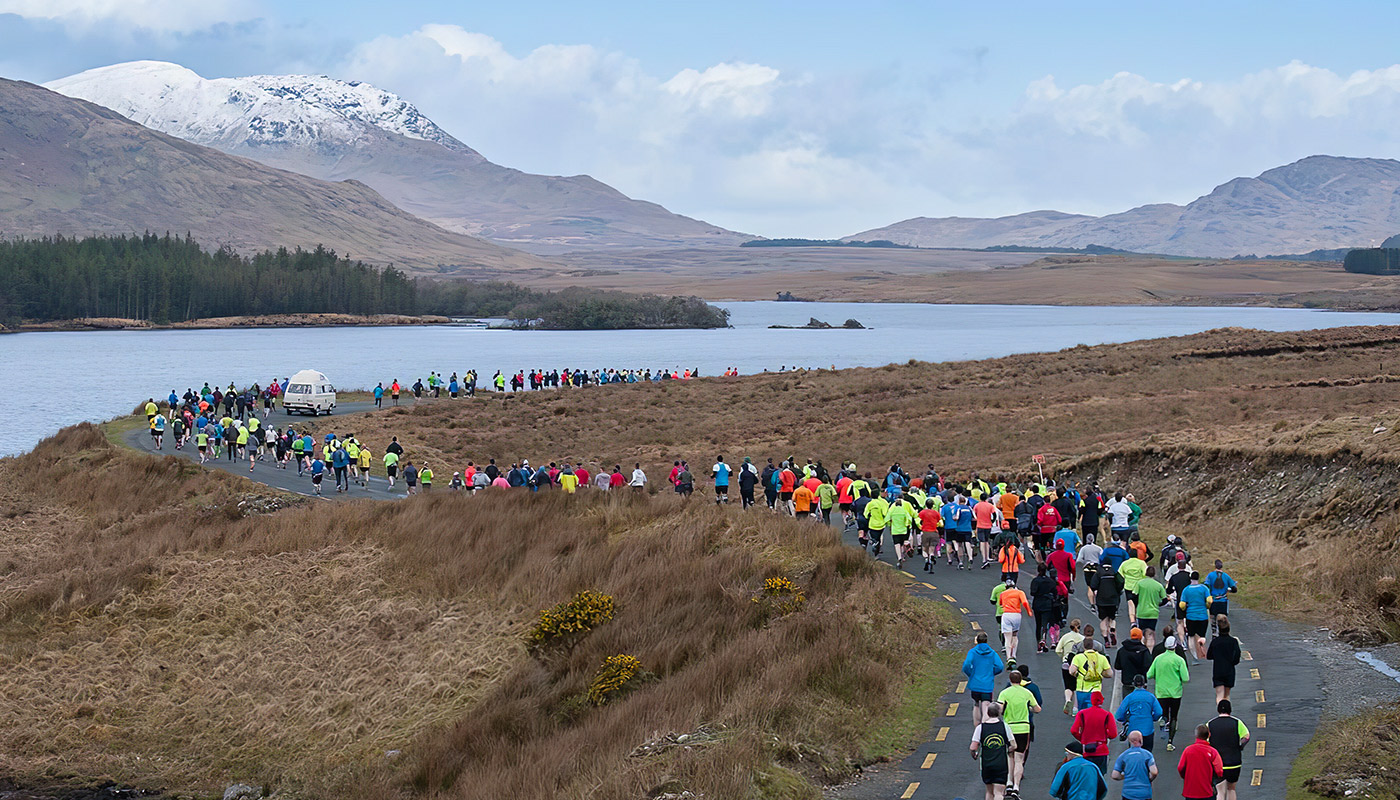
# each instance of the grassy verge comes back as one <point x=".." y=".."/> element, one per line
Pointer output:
<point x="922" y="699"/>
<point x="1354" y="758"/>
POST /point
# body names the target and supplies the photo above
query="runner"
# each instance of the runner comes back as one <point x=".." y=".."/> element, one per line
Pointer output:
<point x="1089" y="669"/>
<point x="903" y="522"/>
<point x="877" y="518"/>
<point x="1133" y="570"/>
<point x="802" y="501"/>
<point x="984" y="514"/>
<point x="379" y="395"/>
<point x="1077" y="779"/>
<point x="1132" y="660"/>
<point x="340" y="462"/>
<point x="1107" y="588"/>
<point x="981" y="666"/>
<point x="1094" y="727"/>
<point x="930" y="522"/>
<point x="1150" y="596"/>
<point x="391" y="467"/>
<point x="366" y="461"/>
<point x="639" y="479"/>
<point x="748" y="479"/>
<point x="720" y="471"/>
<point x="1139" y="711"/>
<point x="1089" y="556"/>
<point x="1169" y="676"/>
<point x="201" y="441"/>
<point x="1136" y="768"/>
<point x="1018" y="703"/>
<point x="1044" y="599"/>
<point x="1071" y="644"/>
<point x="410" y="477"/>
<point x="318" y="470"/>
<point x="826" y="499"/>
<point x="157" y="424"/>
<point x="1010" y="559"/>
<point x="1200" y="767"/>
<point x="1224" y="654"/>
<point x="787" y="482"/>
<point x="1228" y="736"/>
<point x="1013" y="604"/>
<point x="993" y="745"/>
<point x="1220" y="585"/>
<point x="1195" y="601"/>
<point x="425" y="477"/>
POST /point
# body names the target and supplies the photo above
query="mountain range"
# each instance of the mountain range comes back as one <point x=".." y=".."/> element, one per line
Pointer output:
<point x="1319" y="202"/>
<point x="348" y="130"/>
<point x="76" y="168"/>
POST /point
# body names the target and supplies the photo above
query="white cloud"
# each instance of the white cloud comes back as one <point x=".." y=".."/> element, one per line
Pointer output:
<point x="162" y="16"/>
<point x="747" y="146"/>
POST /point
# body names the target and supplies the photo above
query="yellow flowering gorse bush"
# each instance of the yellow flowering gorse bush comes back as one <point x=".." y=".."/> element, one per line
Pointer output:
<point x="615" y="673"/>
<point x="568" y="621"/>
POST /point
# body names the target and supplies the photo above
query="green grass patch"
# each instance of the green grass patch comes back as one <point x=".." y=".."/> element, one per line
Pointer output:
<point x="923" y="697"/>
<point x="1350" y="758"/>
<point x="116" y="429"/>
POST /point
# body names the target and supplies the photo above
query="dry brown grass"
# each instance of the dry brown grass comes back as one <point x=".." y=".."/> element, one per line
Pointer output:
<point x="153" y="634"/>
<point x="1240" y="404"/>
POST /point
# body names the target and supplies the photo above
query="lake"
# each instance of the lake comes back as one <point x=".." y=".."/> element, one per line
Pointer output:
<point x="50" y="380"/>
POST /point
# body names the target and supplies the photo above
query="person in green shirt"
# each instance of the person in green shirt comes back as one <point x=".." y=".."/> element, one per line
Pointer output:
<point x="1133" y="570"/>
<point x="1169" y="676"/>
<point x="201" y="441"/>
<point x="902" y="522"/>
<point x="1150" y="596"/>
<point x="391" y="466"/>
<point x="826" y="498"/>
<point x="425" y="477"/>
<point x="1134" y="514"/>
<point x="1017" y="705"/>
<point x="877" y="515"/>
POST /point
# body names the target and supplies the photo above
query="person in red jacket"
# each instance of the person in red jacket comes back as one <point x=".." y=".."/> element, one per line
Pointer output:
<point x="1094" y="727"/>
<point x="1200" y="767"/>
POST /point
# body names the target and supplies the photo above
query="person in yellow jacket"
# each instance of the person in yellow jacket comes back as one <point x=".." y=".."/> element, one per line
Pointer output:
<point x="568" y="481"/>
<point x="366" y="459"/>
<point x="877" y="515"/>
<point x="391" y="467"/>
<point x="352" y="449"/>
<point x="425" y="476"/>
<point x="903" y="519"/>
<point x="1132" y="570"/>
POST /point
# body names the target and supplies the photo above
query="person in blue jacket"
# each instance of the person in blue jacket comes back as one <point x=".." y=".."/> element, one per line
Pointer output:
<point x="1078" y="778"/>
<point x="1195" y="601"/>
<point x="1114" y="554"/>
<point x="981" y="667"/>
<point x="1219" y="583"/>
<point x="1139" y="711"/>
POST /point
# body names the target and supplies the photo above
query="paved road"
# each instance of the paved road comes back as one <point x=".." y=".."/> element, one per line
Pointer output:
<point x="1281" y="705"/>
<point x="1278" y="694"/>
<point x="268" y="473"/>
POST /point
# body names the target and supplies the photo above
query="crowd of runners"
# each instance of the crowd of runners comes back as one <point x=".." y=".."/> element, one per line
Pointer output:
<point x="1058" y="536"/>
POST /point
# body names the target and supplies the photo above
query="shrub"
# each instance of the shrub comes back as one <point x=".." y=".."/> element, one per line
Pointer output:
<point x="571" y="620"/>
<point x="780" y="597"/>
<point x="615" y="675"/>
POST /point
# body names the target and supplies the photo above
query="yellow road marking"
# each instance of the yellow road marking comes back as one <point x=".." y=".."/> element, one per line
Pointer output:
<point x="1254" y="780"/>
<point x="929" y="585"/>
<point x="928" y="760"/>
<point x="1259" y="696"/>
<point x="963" y="610"/>
<point x="1259" y="749"/>
<point x="949" y="598"/>
<point x="1247" y="656"/>
<point x="908" y="793"/>
<point x="1254" y="673"/>
<point x="952" y="709"/>
<point x="942" y="734"/>
<point x="962" y="686"/>
<point x="975" y="626"/>
<point x="908" y="574"/>
<point x="1259" y="723"/>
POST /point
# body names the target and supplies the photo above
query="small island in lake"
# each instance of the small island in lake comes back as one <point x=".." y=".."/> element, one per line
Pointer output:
<point x="814" y="324"/>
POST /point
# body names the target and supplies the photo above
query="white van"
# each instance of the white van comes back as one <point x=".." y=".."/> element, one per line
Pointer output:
<point x="309" y="392"/>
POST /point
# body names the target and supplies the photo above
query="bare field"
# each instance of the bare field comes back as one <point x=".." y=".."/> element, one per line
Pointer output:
<point x="956" y="276"/>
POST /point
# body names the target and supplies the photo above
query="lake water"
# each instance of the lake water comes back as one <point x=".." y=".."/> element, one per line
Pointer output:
<point x="50" y="380"/>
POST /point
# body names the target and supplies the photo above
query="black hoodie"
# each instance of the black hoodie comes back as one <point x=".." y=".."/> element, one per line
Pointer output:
<point x="1133" y="659"/>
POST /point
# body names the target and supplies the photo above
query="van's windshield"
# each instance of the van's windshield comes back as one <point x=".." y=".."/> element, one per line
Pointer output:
<point x="299" y="388"/>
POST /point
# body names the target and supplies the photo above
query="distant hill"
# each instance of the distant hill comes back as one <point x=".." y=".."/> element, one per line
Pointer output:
<point x="339" y="130"/>
<point x="1317" y="203"/>
<point x="68" y="166"/>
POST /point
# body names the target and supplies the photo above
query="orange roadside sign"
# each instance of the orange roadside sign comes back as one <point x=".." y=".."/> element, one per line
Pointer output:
<point x="1038" y="459"/>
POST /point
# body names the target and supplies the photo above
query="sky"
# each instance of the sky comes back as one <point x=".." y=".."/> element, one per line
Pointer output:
<point x="817" y="119"/>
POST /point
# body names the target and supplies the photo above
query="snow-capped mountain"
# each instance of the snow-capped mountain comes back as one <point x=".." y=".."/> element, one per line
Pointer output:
<point x="338" y="130"/>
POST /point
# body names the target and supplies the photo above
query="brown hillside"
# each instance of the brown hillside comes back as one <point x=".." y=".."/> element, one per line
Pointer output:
<point x="71" y="167"/>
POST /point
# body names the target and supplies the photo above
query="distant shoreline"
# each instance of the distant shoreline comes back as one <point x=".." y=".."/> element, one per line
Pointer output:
<point x="223" y="323"/>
